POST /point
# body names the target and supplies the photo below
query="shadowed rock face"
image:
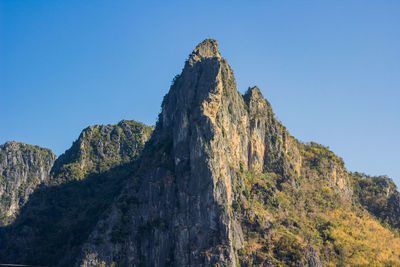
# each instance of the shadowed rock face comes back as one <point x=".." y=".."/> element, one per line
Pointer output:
<point x="22" y="168"/>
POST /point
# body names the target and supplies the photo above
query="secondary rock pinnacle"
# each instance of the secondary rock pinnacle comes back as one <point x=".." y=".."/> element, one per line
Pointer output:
<point x="206" y="49"/>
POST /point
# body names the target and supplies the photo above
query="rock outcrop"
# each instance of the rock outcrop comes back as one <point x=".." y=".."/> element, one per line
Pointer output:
<point x="379" y="196"/>
<point x="22" y="168"/>
<point x="100" y="148"/>
<point x="58" y="216"/>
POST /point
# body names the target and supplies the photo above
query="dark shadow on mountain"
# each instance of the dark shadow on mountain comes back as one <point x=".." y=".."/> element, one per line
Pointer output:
<point x="57" y="220"/>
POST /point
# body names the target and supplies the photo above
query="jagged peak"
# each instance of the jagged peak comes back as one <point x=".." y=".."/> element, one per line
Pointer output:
<point x="256" y="102"/>
<point x="252" y="94"/>
<point x="206" y="49"/>
<point x="253" y="91"/>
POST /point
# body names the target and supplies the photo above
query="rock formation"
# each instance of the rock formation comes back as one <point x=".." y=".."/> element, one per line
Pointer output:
<point x="184" y="207"/>
<point x="100" y="148"/>
<point x="221" y="182"/>
<point x="22" y="168"/>
<point x="83" y="182"/>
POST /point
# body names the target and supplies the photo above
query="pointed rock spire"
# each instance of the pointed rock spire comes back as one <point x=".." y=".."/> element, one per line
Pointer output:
<point x="253" y="92"/>
<point x="206" y="49"/>
<point x="190" y="169"/>
<point x="255" y="100"/>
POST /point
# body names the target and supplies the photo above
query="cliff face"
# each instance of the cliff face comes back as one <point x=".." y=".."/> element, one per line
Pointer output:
<point x="22" y="168"/>
<point x="58" y="217"/>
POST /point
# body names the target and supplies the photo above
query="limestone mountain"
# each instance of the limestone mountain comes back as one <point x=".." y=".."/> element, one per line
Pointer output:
<point x="22" y="168"/>
<point x="219" y="182"/>
<point x="82" y="183"/>
<point x="223" y="183"/>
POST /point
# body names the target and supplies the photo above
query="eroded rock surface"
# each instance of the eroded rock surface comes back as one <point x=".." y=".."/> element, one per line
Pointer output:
<point x="22" y="168"/>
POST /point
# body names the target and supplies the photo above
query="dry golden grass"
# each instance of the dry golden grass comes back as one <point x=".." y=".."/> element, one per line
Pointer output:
<point x="361" y="240"/>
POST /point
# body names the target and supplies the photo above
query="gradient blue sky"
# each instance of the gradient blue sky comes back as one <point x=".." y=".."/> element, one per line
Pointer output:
<point x="331" y="69"/>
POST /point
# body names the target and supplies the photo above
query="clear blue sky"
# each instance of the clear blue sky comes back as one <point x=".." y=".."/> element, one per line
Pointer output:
<point x="331" y="69"/>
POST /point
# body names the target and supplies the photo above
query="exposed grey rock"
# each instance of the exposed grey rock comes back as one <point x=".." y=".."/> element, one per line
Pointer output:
<point x="22" y="168"/>
<point x="182" y="217"/>
<point x="313" y="260"/>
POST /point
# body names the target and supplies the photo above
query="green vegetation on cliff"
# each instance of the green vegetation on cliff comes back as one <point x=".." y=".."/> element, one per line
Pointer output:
<point x="283" y="226"/>
<point x="100" y="148"/>
<point x="380" y="197"/>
